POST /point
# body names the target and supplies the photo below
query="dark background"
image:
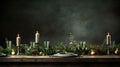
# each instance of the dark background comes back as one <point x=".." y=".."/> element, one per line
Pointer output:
<point x="88" y="20"/>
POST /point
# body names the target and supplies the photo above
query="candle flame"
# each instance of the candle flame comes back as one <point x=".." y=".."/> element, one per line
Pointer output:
<point x="116" y="51"/>
<point x="92" y="52"/>
<point x="13" y="52"/>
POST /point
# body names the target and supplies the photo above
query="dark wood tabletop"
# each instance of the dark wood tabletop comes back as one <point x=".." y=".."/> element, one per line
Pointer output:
<point x="82" y="58"/>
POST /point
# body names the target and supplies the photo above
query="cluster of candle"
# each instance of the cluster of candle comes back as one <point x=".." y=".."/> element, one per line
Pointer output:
<point x="18" y="38"/>
<point x="37" y="35"/>
<point x="46" y="43"/>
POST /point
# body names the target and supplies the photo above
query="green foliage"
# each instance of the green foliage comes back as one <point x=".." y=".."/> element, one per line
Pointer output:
<point x="1" y="48"/>
<point x="6" y="51"/>
<point x="76" y="47"/>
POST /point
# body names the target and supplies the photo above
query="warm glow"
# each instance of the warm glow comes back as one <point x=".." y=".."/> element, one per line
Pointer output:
<point x="13" y="52"/>
<point x="116" y="51"/>
<point x="41" y="53"/>
<point x="92" y="52"/>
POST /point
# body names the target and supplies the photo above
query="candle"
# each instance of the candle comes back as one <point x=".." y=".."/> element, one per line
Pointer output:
<point x="37" y="37"/>
<point x="10" y="44"/>
<point x="116" y="51"/>
<point x="7" y="43"/>
<point x="108" y="39"/>
<point x="48" y="42"/>
<point x="18" y="39"/>
<point x="44" y="43"/>
<point x="92" y="52"/>
<point x="13" y="52"/>
<point x="33" y="44"/>
<point x="84" y="43"/>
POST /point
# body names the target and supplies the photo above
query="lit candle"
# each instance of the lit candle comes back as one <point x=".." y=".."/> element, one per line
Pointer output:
<point x="18" y="40"/>
<point x="37" y="37"/>
<point x="13" y="52"/>
<point x="116" y="51"/>
<point x="92" y="52"/>
<point x="108" y="39"/>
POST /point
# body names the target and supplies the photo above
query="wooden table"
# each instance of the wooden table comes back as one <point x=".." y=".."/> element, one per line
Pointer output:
<point x="51" y="61"/>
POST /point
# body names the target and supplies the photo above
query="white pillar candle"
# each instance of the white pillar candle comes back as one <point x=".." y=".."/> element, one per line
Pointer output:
<point x="37" y="35"/>
<point x="108" y="39"/>
<point x="18" y="40"/>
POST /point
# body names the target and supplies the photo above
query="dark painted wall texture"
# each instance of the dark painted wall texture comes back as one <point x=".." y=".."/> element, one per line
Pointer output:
<point x="88" y="20"/>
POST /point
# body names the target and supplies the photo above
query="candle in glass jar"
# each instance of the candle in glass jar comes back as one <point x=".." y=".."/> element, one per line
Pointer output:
<point x="10" y="44"/>
<point x="108" y="39"/>
<point x="37" y="37"/>
<point x="18" y="39"/>
<point x="48" y="42"/>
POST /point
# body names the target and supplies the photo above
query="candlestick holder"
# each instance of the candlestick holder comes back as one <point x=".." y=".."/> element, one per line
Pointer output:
<point x="18" y="50"/>
<point x="108" y="49"/>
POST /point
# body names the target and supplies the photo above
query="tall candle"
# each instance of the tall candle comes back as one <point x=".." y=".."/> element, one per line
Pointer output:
<point x="18" y="40"/>
<point x="37" y="37"/>
<point x="108" y="39"/>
